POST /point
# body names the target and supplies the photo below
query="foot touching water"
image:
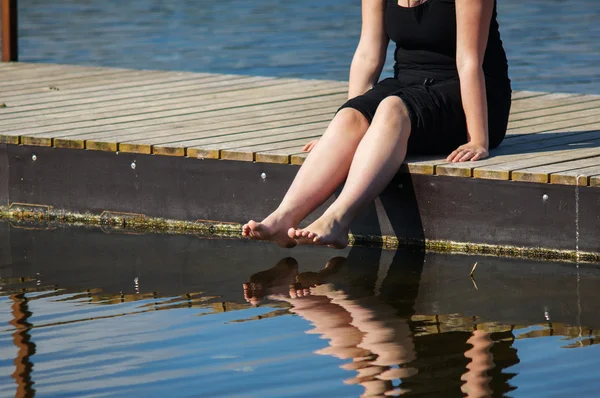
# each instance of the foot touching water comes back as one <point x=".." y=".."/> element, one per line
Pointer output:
<point x="273" y="229"/>
<point x="326" y="231"/>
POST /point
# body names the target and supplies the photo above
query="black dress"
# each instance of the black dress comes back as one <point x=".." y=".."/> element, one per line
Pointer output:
<point x="426" y="78"/>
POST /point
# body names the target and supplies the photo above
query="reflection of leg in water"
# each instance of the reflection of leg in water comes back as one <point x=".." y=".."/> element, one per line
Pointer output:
<point x="273" y="280"/>
<point x="476" y="380"/>
<point x="386" y="335"/>
<point x="329" y="320"/>
<point x="357" y="324"/>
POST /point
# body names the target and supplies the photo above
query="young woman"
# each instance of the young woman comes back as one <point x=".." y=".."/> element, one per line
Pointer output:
<point x="450" y="94"/>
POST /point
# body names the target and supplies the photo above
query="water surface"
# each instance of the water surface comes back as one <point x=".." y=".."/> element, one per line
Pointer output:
<point x="552" y="45"/>
<point x="91" y="313"/>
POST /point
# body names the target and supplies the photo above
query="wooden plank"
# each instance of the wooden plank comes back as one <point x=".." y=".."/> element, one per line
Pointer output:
<point x="208" y="148"/>
<point x="116" y="128"/>
<point x="222" y="138"/>
<point x="550" y="156"/>
<point x="545" y="101"/>
<point x="423" y="164"/>
<point x="280" y="156"/>
<point x="506" y="154"/>
<point x="40" y="72"/>
<point x="223" y="100"/>
<point x="36" y="141"/>
<point x="151" y="79"/>
<point x="14" y="140"/>
<point x="168" y="144"/>
<point x="42" y="67"/>
<point x="595" y="181"/>
<point x="557" y="164"/>
<point x="54" y="72"/>
<point x="268" y="130"/>
<point x="159" y="131"/>
<point x="298" y="159"/>
<point x="585" y="127"/>
<point x="593" y="121"/>
<point x="130" y="95"/>
<point x="141" y="86"/>
<point x="525" y="94"/>
<point x="581" y="177"/>
<point x="248" y="153"/>
<point x="242" y="122"/>
<point x="499" y="155"/>
<point x="19" y="72"/>
<point x="552" y="119"/>
<point x="202" y="90"/>
<point x="565" y="110"/>
<point x="94" y="84"/>
<point x="272" y="133"/>
<point x="550" y="101"/>
<point x="14" y="85"/>
<point x="69" y="81"/>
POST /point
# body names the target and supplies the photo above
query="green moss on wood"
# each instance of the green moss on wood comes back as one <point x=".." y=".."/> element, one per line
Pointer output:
<point x="43" y="217"/>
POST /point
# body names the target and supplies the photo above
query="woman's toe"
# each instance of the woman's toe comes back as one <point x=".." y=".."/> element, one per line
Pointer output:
<point x="292" y="233"/>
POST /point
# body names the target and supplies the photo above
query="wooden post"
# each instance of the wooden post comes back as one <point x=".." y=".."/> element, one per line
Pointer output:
<point x="10" y="39"/>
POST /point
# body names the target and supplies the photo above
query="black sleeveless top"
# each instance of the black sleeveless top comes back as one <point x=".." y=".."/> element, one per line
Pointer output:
<point x="425" y="37"/>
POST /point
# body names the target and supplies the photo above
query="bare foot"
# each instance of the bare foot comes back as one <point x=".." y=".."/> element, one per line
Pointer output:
<point x="325" y="231"/>
<point x="273" y="228"/>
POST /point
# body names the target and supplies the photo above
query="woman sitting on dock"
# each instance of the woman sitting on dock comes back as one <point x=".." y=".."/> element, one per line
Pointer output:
<point x="450" y="94"/>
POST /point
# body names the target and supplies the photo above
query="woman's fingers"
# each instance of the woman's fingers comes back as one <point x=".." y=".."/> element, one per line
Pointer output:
<point x="309" y="147"/>
<point x="477" y="157"/>
<point x="451" y="157"/>
<point x="466" y="155"/>
<point x="467" y="152"/>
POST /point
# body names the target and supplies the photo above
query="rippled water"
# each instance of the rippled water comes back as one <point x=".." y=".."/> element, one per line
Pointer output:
<point x="88" y="313"/>
<point x="552" y="45"/>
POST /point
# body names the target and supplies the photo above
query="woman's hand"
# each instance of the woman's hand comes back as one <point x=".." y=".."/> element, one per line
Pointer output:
<point x="309" y="147"/>
<point x="470" y="151"/>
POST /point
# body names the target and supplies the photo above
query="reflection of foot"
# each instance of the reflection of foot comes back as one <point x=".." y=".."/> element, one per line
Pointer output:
<point x="312" y="279"/>
<point x="264" y="282"/>
<point x="325" y="231"/>
<point x="273" y="228"/>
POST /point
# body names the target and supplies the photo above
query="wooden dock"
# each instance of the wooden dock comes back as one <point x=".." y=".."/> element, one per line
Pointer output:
<point x="86" y="113"/>
<point x="551" y="138"/>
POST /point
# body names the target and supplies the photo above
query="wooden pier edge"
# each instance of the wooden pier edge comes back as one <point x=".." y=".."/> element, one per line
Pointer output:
<point x="170" y="194"/>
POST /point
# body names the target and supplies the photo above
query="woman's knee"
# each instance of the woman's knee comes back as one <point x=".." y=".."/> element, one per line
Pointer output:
<point x="350" y="118"/>
<point x="392" y="106"/>
<point x="392" y="109"/>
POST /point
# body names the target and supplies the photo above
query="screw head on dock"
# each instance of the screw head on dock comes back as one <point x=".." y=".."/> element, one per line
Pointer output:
<point x="263" y="176"/>
<point x="133" y="166"/>
<point x="34" y="157"/>
<point x="545" y="197"/>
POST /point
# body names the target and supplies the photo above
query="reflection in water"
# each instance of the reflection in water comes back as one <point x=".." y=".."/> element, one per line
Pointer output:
<point x="25" y="347"/>
<point x="379" y="336"/>
<point x="370" y="323"/>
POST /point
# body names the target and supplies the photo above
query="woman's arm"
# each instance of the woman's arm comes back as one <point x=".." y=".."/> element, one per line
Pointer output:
<point x="473" y="19"/>
<point x="369" y="57"/>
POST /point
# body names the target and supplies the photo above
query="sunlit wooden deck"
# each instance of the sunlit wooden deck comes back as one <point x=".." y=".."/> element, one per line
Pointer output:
<point x="552" y="138"/>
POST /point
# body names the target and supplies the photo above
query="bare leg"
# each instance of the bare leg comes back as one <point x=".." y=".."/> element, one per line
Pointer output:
<point x="376" y="161"/>
<point x="324" y="170"/>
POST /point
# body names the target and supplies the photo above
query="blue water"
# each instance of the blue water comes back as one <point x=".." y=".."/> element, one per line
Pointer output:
<point x="552" y="45"/>
<point x="89" y="314"/>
